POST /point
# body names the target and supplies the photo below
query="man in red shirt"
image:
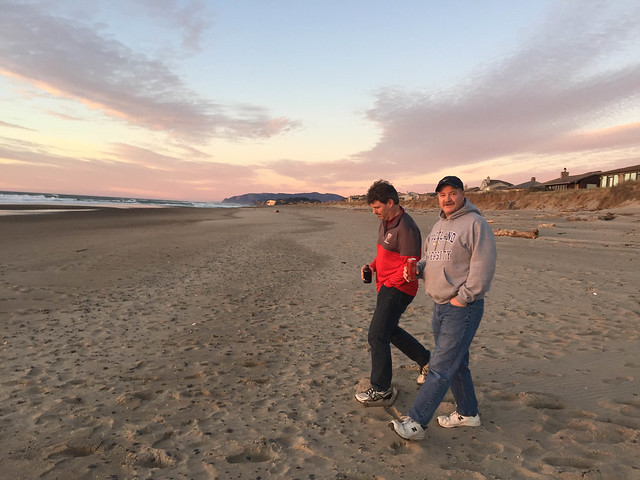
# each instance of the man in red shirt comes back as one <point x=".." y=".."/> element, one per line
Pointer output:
<point x="398" y="239"/>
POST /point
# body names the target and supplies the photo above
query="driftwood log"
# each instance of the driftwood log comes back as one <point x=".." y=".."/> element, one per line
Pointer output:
<point x="499" y="232"/>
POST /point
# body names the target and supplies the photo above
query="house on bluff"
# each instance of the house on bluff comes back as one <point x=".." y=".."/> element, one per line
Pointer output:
<point x="489" y="184"/>
<point x="620" y="175"/>
<point x="532" y="184"/>
<point x="568" y="182"/>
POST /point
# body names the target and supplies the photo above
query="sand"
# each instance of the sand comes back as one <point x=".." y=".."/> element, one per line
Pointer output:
<point x="228" y="343"/>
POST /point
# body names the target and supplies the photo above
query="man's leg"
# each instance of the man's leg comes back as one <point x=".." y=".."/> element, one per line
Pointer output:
<point x="410" y="346"/>
<point x="462" y="382"/>
<point x="454" y="329"/>
<point x="390" y="306"/>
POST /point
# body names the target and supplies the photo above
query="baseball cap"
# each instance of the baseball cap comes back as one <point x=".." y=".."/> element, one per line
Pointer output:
<point x="451" y="181"/>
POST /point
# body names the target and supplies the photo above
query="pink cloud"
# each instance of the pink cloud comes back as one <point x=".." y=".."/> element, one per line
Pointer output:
<point x="536" y="99"/>
<point x="620" y="136"/>
<point x="70" y="59"/>
<point x="150" y="174"/>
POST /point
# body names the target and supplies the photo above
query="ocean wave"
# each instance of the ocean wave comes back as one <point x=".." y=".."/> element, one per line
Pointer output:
<point x="27" y="198"/>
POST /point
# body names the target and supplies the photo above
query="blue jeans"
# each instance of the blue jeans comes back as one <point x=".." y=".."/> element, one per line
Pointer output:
<point x="453" y="330"/>
<point x="384" y="331"/>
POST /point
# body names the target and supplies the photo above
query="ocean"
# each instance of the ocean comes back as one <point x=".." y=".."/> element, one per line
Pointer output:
<point x="53" y="199"/>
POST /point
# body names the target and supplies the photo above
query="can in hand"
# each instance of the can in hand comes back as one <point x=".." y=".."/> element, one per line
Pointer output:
<point x="366" y="274"/>
<point x="412" y="272"/>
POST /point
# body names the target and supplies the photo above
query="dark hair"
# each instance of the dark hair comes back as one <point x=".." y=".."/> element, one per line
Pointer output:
<point x="382" y="191"/>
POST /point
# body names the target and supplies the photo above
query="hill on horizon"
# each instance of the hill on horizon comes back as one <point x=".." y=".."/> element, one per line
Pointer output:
<point x="251" y="198"/>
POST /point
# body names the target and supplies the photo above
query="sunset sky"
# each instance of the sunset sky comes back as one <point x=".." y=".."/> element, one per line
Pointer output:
<point x="201" y="100"/>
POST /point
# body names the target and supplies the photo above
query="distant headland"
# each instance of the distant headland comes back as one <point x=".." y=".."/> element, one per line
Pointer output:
<point x="278" y="198"/>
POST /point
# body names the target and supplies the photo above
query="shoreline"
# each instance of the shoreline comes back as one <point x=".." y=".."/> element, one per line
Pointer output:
<point x="228" y="343"/>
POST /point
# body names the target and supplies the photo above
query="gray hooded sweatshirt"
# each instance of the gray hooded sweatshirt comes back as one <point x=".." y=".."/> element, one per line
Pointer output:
<point x="459" y="257"/>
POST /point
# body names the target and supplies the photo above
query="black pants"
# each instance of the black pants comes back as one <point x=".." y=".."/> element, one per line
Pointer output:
<point x="384" y="331"/>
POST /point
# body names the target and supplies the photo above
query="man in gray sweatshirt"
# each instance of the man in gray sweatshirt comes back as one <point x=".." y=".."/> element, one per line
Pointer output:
<point x="457" y="267"/>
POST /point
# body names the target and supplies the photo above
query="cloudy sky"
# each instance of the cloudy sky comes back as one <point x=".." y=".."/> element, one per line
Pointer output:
<point x="202" y="100"/>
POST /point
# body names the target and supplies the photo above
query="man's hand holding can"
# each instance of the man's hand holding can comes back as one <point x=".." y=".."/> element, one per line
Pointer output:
<point x="411" y="270"/>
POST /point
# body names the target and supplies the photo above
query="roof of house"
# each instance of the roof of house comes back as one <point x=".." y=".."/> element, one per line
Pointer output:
<point x="634" y="168"/>
<point x="571" y="178"/>
<point x="529" y="184"/>
<point x="493" y="182"/>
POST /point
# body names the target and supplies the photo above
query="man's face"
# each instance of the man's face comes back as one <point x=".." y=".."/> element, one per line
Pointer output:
<point x="384" y="211"/>
<point x="451" y="199"/>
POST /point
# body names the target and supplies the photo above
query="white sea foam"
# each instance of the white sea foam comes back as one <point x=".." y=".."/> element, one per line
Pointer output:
<point x="25" y="198"/>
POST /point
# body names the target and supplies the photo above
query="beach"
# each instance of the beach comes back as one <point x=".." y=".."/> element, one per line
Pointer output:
<point x="228" y="343"/>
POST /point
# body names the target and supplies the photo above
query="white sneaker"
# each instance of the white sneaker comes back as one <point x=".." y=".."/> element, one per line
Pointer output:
<point x="408" y="428"/>
<point x="454" y="419"/>
<point x="423" y="375"/>
<point x="373" y="396"/>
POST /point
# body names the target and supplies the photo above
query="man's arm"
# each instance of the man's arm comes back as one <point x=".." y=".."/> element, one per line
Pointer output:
<point x="482" y="264"/>
<point x="409" y="246"/>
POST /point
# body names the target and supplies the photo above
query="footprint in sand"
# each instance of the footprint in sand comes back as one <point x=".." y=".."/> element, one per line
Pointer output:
<point x="541" y="400"/>
<point x="399" y="448"/>
<point x="135" y="397"/>
<point x="250" y="454"/>
<point x="587" y="431"/>
<point x="151" y="458"/>
<point x="579" y="463"/>
<point x="64" y="450"/>
<point x="617" y="380"/>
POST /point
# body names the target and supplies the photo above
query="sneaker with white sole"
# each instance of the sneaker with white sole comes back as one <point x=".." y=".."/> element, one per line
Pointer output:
<point x="454" y="419"/>
<point x="423" y="375"/>
<point x="372" y="396"/>
<point x="408" y="428"/>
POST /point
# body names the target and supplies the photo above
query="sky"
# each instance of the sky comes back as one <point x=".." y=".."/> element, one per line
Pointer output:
<point x="202" y="100"/>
